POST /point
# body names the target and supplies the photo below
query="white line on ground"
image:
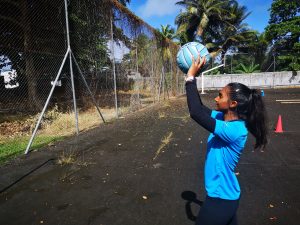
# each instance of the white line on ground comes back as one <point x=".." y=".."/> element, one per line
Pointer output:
<point x="287" y="100"/>
<point x="290" y="102"/>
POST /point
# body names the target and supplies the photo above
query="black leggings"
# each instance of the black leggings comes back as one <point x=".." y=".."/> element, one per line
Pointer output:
<point x="216" y="211"/>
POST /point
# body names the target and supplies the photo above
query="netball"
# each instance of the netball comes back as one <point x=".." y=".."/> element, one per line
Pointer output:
<point x="184" y="56"/>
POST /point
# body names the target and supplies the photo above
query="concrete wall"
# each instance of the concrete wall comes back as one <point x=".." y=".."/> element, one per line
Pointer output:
<point x="270" y="79"/>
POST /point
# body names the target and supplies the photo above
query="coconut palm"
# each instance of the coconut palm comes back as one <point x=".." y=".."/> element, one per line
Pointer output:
<point x="167" y="33"/>
<point x="221" y="20"/>
<point x="187" y="23"/>
<point x="230" y="33"/>
<point x="198" y="14"/>
<point x="237" y="33"/>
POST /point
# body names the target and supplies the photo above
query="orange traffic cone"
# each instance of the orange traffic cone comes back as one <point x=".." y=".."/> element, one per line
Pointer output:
<point x="279" y="125"/>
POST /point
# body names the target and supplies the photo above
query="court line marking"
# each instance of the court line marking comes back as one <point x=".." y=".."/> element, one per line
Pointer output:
<point x="287" y="100"/>
<point x="290" y="102"/>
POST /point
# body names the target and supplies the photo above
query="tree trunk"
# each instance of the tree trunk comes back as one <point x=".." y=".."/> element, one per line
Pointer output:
<point x="203" y="24"/>
<point x="30" y="71"/>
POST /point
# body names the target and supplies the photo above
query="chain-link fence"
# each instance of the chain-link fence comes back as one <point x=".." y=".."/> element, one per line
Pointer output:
<point x="241" y="63"/>
<point x="126" y="63"/>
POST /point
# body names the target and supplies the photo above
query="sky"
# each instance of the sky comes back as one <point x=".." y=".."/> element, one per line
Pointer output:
<point x="163" y="12"/>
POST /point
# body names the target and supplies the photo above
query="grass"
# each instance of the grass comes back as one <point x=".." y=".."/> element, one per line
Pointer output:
<point x="161" y="115"/>
<point x="66" y="159"/>
<point x="164" y="142"/>
<point x="167" y="104"/>
<point x="16" y="131"/>
<point x="17" y="145"/>
<point x="55" y="126"/>
<point x="184" y="118"/>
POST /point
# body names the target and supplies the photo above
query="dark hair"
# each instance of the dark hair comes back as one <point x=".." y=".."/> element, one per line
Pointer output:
<point x="250" y="108"/>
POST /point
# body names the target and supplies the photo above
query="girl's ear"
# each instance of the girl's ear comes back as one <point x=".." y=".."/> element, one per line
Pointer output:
<point x="233" y="104"/>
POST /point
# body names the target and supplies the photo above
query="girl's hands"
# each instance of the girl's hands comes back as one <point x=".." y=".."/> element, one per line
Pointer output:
<point x="196" y="65"/>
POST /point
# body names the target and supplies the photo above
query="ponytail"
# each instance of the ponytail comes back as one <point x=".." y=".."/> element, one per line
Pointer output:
<point x="251" y="108"/>
<point x="256" y="119"/>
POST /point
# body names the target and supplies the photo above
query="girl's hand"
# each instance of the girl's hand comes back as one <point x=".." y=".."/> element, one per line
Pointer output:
<point x="195" y="67"/>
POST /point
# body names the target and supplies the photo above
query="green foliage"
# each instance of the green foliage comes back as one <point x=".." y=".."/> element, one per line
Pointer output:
<point x="219" y="24"/>
<point x="252" y="68"/>
<point x="283" y="32"/>
<point x="89" y="34"/>
<point x="144" y="46"/>
<point x="32" y="41"/>
<point x="257" y="48"/>
<point x="234" y="32"/>
<point x="198" y="14"/>
<point x="282" y="10"/>
<point x="167" y="32"/>
<point x="215" y="72"/>
<point x="141" y="50"/>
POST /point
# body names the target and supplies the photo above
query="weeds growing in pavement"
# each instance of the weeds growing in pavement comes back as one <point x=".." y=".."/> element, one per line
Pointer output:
<point x="164" y="142"/>
<point x="161" y="115"/>
<point x="66" y="159"/>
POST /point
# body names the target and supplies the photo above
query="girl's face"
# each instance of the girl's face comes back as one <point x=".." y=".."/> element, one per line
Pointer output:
<point x="223" y="101"/>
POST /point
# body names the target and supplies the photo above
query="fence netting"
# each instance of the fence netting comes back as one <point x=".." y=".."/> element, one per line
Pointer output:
<point x="126" y="63"/>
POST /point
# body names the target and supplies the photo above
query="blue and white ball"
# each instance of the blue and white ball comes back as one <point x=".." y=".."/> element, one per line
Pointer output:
<point x="185" y="53"/>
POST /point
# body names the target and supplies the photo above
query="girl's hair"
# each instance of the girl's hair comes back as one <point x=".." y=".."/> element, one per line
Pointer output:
<point x="250" y="108"/>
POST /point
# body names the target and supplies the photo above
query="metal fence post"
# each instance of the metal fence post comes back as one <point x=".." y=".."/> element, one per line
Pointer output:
<point x="113" y="63"/>
<point x="89" y="90"/>
<point x="71" y="67"/>
<point x="47" y="102"/>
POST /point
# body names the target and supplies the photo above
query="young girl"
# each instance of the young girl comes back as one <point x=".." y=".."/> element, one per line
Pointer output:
<point x="239" y="109"/>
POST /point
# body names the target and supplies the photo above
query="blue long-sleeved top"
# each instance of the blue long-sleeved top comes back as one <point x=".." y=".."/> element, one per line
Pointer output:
<point x="224" y="146"/>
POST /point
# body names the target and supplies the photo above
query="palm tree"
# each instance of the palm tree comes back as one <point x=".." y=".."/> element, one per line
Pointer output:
<point x="186" y="25"/>
<point x="222" y="21"/>
<point x="230" y="33"/>
<point x="237" y="33"/>
<point x="198" y="14"/>
<point x="167" y="33"/>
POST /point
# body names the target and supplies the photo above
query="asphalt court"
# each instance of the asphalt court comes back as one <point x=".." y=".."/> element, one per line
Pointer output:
<point x="127" y="173"/>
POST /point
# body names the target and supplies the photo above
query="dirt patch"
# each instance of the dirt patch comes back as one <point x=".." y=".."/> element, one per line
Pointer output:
<point x="14" y="128"/>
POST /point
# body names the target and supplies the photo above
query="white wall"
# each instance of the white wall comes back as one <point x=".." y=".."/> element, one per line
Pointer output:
<point x="270" y="79"/>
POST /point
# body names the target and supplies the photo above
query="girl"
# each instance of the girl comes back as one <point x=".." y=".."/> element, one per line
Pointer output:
<point x="239" y="109"/>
